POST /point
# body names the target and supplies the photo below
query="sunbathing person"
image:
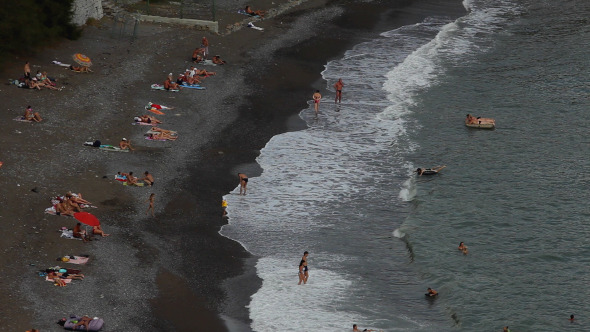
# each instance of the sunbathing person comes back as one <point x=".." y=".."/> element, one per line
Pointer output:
<point x="251" y="12"/>
<point x="190" y="79"/>
<point x="79" y="233"/>
<point x="147" y="119"/>
<point x="32" y="116"/>
<point x="125" y="144"/>
<point x="97" y="230"/>
<point x="130" y="179"/>
<point x="217" y="60"/>
<point x="203" y="72"/>
<point x="169" y="85"/>
<point x="80" y="69"/>
<point x="160" y="130"/>
<point x="85" y="320"/>
<point x="198" y="55"/>
<point x="162" y="136"/>
<point x="77" y="198"/>
<point x="62" y="209"/>
<point x="33" y="84"/>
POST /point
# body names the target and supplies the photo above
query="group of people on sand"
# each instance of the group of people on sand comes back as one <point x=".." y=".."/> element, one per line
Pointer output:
<point x="38" y="81"/>
<point x="131" y="180"/>
<point x="69" y="204"/>
<point x="201" y="53"/>
<point x="317" y="96"/>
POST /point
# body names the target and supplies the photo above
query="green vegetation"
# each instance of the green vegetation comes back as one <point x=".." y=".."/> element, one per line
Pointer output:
<point x="27" y="25"/>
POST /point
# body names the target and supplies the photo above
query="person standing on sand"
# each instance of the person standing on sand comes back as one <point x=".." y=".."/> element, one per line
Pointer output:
<point x="27" y="70"/>
<point x="338" y="86"/>
<point x="243" y="182"/>
<point x="205" y="47"/>
<point x="316" y="101"/>
<point x="151" y="206"/>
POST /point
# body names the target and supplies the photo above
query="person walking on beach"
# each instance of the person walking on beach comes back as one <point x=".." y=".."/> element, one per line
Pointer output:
<point x="151" y="206"/>
<point x="338" y="86"/>
<point x="316" y="101"/>
<point x="243" y="182"/>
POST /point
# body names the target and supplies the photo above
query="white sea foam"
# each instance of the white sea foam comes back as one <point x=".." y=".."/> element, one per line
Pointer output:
<point x="319" y="186"/>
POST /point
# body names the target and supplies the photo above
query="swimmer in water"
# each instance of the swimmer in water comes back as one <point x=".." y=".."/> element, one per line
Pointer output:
<point x="431" y="292"/>
<point x="463" y="248"/>
<point x="429" y="171"/>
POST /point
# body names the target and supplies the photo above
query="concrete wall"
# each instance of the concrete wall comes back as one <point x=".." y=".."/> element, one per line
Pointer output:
<point x="84" y="9"/>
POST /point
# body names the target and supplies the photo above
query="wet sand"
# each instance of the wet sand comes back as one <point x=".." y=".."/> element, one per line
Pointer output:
<point x="172" y="272"/>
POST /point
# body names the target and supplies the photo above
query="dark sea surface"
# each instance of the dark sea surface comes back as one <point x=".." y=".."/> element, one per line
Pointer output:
<point x="378" y="235"/>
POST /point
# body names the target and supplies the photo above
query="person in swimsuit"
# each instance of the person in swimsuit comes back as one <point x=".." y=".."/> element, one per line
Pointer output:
<point x="83" y="321"/>
<point x="243" y="182"/>
<point x="303" y="270"/>
<point x="463" y="248"/>
<point x="148" y="178"/>
<point x="125" y="144"/>
<point x="251" y="12"/>
<point x="316" y="101"/>
<point x="27" y="70"/>
<point x="205" y="47"/>
<point x="151" y="206"/>
<point x="431" y="292"/>
<point x="429" y="171"/>
<point x="338" y="86"/>
<point x="356" y="329"/>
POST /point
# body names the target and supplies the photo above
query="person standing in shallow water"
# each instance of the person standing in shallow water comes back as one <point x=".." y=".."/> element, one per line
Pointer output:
<point x="243" y="182"/>
<point x="338" y="86"/>
<point x="316" y="101"/>
<point x="303" y="270"/>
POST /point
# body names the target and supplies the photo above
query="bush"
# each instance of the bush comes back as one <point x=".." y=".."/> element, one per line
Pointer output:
<point x="27" y="25"/>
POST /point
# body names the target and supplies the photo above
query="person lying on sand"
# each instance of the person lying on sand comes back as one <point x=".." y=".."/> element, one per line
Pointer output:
<point x="125" y="144"/>
<point x="217" y="60"/>
<point x="147" y="119"/>
<point x="203" y="72"/>
<point x="72" y="205"/>
<point x="32" y="116"/>
<point x="162" y="136"/>
<point x="190" y="79"/>
<point x="83" y="321"/>
<point x="80" y="69"/>
<point x="160" y="130"/>
<point x="97" y="230"/>
<point x="33" y="83"/>
<point x="77" y="198"/>
<point x="251" y="12"/>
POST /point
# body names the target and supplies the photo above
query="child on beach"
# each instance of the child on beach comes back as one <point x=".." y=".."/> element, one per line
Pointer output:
<point x="151" y="206"/>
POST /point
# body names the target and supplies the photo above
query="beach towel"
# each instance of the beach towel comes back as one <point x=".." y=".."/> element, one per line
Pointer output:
<point x="21" y="119"/>
<point x="156" y="111"/>
<point x="192" y="86"/>
<point x="137" y="184"/>
<point x="173" y="133"/>
<point x="251" y="25"/>
<point x="156" y="106"/>
<point x="68" y="234"/>
<point x="140" y="123"/>
<point x="76" y="260"/>
<point x="161" y="87"/>
<point x="93" y="326"/>
<point x="60" y="64"/>
<point x="106" y="147"/>
<point x="67" y="281"/>
<point x="154" y="139"/>
<point x="121" y="178"/>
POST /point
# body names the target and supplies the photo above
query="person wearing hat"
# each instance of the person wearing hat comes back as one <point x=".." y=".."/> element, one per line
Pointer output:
<point x="125" y="144"/>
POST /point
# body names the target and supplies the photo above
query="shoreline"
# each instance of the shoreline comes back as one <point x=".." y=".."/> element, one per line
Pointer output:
<point x="183" y="244"/>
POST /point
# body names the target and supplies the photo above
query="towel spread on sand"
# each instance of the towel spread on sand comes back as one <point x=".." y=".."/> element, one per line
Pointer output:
<point x="60" y="64"/>
<point x="21" y="119"/>
<point x="67" y="281"/>
<point x="68" y="234"/>
<point x="78" y="260"/>
<point x="161" y="87"/>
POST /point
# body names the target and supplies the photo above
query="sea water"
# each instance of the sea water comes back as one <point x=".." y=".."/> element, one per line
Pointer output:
<point x="378" y="235"/>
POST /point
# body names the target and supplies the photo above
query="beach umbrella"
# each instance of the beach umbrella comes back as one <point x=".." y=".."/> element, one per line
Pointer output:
<point x="86" y="218"/>
<point x="82" y="60"/>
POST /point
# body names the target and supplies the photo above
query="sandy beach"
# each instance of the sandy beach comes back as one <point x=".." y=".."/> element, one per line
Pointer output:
<point x="156" y="274"/>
